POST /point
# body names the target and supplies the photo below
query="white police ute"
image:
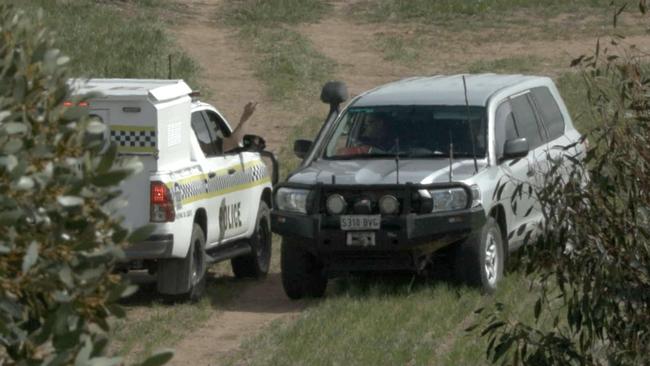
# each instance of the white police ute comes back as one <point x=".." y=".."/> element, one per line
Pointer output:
<point x="207" y="205"/>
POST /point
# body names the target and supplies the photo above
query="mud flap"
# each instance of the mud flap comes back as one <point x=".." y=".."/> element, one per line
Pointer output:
<point x="173" y="276"/>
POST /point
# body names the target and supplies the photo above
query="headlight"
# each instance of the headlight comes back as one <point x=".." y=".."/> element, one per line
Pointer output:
<point x="388" y="205"/>
<point x="449" y="199"/>
<point x="293" y="200"/>
<point x="476" y="196"/>
<point x="336" y="204"/>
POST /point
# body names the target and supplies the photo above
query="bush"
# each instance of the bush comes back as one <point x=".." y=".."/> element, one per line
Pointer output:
<point x="591" y="265"/>
<point x="58" y="239"/>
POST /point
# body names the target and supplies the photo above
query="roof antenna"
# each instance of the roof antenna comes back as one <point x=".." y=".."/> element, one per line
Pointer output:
<point x="469" y="123"/>
<point x="397" y="158"/>
<point x="451" y="155"/>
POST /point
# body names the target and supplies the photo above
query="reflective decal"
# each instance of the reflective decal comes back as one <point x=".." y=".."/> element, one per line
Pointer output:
<point x="229" y="215"/>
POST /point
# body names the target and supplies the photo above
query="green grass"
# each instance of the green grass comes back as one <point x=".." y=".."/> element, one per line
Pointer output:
<point x="400" y="48"/>
<point x="287" y="62"/>
<point x="267" y="12"/>
<point x="435" y="10"/>
<point x="385" y="322"/>
<point x="283" y="59"/>
<point x="153" y="323"/>
<point x="523" y="65"/>
<point x="108" y="41"/>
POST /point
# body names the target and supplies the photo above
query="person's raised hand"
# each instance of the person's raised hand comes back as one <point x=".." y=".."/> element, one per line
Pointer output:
<point x="249" y="109"/>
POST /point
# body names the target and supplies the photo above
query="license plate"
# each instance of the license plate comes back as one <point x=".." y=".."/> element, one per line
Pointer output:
<point x="360" y="222"/>
<point x="360" y="239"/>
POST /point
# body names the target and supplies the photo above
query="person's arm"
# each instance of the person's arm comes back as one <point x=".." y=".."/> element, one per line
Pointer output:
<point x="232" y="142"/>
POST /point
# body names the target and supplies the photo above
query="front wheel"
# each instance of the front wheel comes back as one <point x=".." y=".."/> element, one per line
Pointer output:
<point x="302" y="273"/>
<point x="256" y="264"/>
<point x="480" y="258"/>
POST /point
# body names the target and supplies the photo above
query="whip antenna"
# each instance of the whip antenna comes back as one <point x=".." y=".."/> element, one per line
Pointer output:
<point x="469" y="123"/>
<point x="397" y="159"/>
<point x="451" y="155"/>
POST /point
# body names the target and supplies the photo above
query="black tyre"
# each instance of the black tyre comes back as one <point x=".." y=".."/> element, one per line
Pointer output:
<point x="302" y="273"/>
<point x="256" y="264"/>
<point x="480" y="259"/>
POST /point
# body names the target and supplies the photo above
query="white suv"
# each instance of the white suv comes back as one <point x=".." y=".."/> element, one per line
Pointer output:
<point x="420" y="167"/>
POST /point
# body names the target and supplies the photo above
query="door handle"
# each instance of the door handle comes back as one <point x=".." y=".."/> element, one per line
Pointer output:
<point x="232" y="171"/>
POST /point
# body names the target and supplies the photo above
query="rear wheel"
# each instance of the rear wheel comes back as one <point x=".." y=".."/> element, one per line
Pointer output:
<point x="480" y="259"/>
<point x="302" y="273"/>
<point x="256" y="264"/>
<point x="184" y="278"/>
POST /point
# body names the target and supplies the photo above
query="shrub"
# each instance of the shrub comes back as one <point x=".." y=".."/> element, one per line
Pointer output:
<point x="591" y="265"/>
<point x="58" y="238"/>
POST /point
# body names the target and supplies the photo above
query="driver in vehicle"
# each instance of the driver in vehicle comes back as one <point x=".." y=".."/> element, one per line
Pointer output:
<point x="376" y="135"/>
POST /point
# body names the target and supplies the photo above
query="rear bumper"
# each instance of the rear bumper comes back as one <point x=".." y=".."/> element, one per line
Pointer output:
<point x="155" y="247"/>
<point x="400" y="244"/>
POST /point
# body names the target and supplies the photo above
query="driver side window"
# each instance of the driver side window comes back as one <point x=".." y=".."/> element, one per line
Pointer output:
<point x="208" y="133"/>
<point x="505" y="127"/>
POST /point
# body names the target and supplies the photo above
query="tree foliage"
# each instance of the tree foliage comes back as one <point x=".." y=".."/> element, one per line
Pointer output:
<point x="591" y="264"/>
<point x="59" y="239"/>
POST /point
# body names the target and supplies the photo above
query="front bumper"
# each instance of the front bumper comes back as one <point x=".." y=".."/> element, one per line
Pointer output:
<point x="155" y="247"/>
<point x="400" y="244"/>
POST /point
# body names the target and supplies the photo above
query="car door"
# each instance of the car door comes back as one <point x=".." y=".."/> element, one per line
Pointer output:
<point x="511" y="122"/>
<point x="553" y="121"/>
<point x="236" y="209"/>
<point x="530" y="127"/>
<point x="214" y="167"/>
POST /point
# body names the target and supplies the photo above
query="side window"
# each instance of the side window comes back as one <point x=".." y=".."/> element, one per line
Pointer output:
<point x="505" y="127"/>
<point x="526" y="121"/>
<point x="549" y="111"/>
<point x="202" y="133"/>
<point x="216" y="127"/>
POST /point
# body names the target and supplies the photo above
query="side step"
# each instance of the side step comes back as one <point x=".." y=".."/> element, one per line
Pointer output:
<point x="227" y="251"/>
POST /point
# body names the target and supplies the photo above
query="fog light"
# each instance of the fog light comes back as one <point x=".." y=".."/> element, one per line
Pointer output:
<point x="335" y="204"/>
<point x="388" y="205"/>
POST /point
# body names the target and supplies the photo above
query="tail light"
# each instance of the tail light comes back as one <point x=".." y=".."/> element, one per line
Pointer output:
<point x="69" y="104"/>
<point x="162" y="205"/>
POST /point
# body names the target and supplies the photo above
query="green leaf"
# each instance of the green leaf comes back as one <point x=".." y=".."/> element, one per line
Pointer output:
<point x="13" y="128"/>
<point x="538" y="308"/>
<point x="105" y="361"/>
<point x="111" y="178"/>
<point x="141" y="234"/>
<point x="107" y="159"/>
<point x="70" y="201"/>
<point x="30" y="257"/>
<point x="159" y="358"/>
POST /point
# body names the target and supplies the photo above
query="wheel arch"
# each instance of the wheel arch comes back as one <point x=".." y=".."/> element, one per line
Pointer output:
<point x="267" y="197"/>
<point x="201" y="218"/>
<point x="498" y="213"/>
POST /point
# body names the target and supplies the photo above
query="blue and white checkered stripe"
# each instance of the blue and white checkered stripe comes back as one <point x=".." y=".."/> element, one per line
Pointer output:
<point x="203" y="185"/>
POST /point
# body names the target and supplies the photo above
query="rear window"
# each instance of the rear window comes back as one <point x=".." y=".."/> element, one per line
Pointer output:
<point x="549" y="111"/>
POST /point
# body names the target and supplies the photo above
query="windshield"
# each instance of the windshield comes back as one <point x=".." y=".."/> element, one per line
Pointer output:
<point x="407" y="131"/>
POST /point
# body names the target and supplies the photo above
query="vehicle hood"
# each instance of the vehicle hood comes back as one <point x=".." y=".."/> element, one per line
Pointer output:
<point x="384" y="171"/>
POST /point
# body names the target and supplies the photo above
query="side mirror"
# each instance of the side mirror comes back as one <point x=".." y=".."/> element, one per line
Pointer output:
<point x="253" y="143"/>
<point x="515" y="148"/>
<point x="334" y="93"/>
<point x="301" y="148"/>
